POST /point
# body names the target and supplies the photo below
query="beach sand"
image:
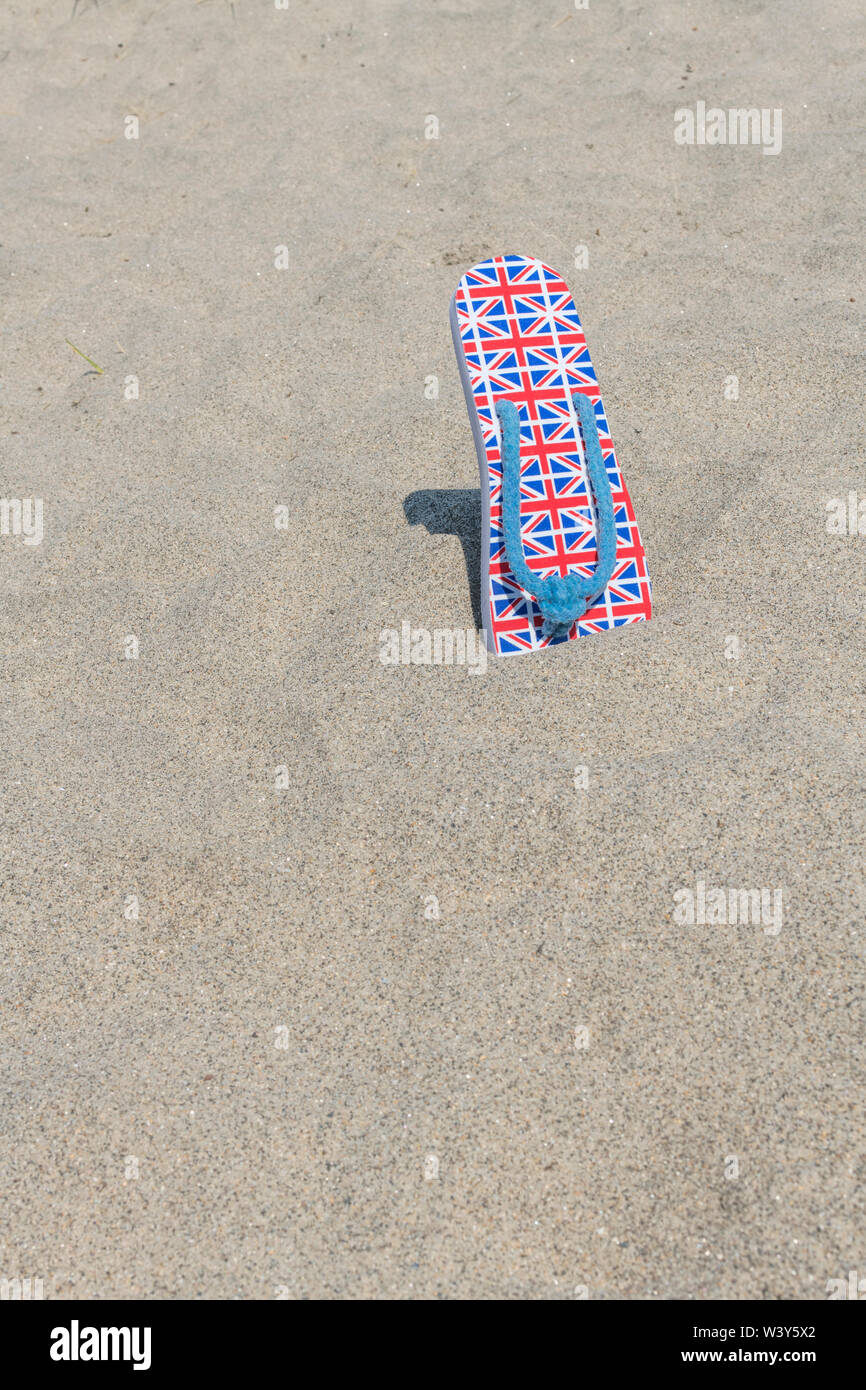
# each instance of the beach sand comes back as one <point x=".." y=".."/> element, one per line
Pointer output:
<point x="243" y="1056"/>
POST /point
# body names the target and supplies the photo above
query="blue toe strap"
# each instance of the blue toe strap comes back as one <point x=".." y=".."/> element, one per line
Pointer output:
<point x="562" y="599"/>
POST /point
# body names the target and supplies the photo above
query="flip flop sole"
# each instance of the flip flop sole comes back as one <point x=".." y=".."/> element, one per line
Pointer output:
<point x="517" y="336"/>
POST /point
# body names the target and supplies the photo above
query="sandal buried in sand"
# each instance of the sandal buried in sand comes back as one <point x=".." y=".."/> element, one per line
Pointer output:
<point x="561" y="553"/>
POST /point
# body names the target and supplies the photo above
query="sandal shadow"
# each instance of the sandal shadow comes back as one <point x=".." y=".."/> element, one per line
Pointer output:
<point x="453" y="512"/>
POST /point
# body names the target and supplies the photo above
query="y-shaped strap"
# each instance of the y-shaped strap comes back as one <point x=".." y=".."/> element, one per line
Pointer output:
<point x="561" y="599"/>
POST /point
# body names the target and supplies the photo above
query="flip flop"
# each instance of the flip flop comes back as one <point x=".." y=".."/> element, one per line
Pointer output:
<point x="561" y="553"/>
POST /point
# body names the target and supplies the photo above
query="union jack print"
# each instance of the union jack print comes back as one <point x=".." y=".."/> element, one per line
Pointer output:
<point x="518" y="337"/>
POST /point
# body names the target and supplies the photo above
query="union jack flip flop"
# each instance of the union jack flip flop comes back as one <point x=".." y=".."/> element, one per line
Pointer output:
<point x="561" y="553"/>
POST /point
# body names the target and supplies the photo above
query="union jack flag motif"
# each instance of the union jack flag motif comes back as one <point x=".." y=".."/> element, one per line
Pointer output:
<point x="518" y="337"/>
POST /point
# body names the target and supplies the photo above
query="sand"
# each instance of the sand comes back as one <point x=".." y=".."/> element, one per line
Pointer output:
<point x="243" y="1056"/>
